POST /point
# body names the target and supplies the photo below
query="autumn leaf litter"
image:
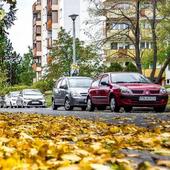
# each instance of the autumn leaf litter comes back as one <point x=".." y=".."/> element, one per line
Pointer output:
<point x="40" y="142"/>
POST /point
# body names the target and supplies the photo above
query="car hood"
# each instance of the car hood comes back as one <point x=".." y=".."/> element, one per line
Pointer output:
<point x="140" y="86"/>
<point x="79" y="90"/>
<point x="14" y="98"/>
<point x="33" y="97"/>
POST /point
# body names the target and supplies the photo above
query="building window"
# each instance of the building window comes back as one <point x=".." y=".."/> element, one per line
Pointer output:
<point x="168" y="67"/>
<point x="38" y="30"/>
<point x="55" y="16"/>
<point x="119" y="26"/>
<point x="38" y="1"/>
<point x="38" y="45"/>
<point x="114" y="46"/>
<point x="54" y="2"/>
<point x="39" y="16"/>
<point x="145" y="45"/>
<point x="168" y="81"/>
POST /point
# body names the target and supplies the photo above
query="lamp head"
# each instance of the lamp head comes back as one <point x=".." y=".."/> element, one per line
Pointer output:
<point x="73" y="16"/>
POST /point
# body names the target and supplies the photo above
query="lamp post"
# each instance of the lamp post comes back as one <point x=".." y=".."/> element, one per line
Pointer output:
<point x="74" y="72"/>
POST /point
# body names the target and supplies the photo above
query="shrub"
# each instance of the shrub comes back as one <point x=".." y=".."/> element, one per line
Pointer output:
<point x="8" y="89"/>
<point x="43" y="85"/>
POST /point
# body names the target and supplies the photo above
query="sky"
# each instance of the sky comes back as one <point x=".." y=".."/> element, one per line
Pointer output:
<point x="20" y="34"/>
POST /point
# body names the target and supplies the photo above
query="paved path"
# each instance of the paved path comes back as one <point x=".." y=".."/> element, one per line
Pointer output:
<point x="143" y="117"/>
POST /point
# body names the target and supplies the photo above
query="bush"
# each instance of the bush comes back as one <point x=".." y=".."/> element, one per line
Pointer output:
<point x="43" y="85"/>
<point x="114" y="67"/>
<point x="8" y="89"/>
<point x="130" y="67"/>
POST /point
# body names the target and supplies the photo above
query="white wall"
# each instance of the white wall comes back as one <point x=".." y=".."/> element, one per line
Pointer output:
<point x="44" y="32"/>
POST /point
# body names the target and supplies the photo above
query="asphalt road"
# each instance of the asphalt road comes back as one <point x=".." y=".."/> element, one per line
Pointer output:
<point x="141" y="117"/>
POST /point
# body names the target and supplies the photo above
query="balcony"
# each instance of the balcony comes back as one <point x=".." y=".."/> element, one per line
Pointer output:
<point x="49" y="24"/>
<point x="55" y="7"/>
<point x="49" y="43"/>
<point x="49" y="5"/>
<point x="119" y="55"/>
<point x="37" y="67"/>
<point x="36" y="52"/>
<point x="36" y="7"/>
<point x="38" y="38"/>
<point x="49" y="59"/>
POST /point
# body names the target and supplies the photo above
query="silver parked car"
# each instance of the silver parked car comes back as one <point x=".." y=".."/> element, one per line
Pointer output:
<point x="11" y="98"/>
<point x="31" y="98"/>
<point x="71" y="92"/>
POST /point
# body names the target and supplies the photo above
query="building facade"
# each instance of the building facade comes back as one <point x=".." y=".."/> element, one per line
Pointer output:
<point x="120" y="32"/>
<point x="48" y="17"/>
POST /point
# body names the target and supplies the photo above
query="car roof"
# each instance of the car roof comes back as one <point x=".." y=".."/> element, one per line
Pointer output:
<point x="119" y="73"/>
<point x="15" y="92"/>
<point x="31" y="90"/>
<point x="78" y="77"/>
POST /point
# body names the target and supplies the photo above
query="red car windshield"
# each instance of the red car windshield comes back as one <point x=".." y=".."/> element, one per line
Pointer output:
<point x="128" y="78"/>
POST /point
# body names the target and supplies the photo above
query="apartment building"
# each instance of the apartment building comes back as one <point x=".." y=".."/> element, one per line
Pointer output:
<point x="120" y="32"/>
<point x="48" y="17"/>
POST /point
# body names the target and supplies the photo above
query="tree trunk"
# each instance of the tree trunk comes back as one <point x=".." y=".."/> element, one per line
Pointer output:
<point x="167" y="61"/>
<point x="137" y="38"/>
<point x="154" y="39"/>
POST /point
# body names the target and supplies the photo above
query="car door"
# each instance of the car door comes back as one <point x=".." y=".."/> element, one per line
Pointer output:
<point x="63" y="90"/>
<point x="57" y="92"/>
<point x="19" y="99"/>
<point x="7" y="99"/>
<point x="93" y="92"/>
<point x="103" y="90"/>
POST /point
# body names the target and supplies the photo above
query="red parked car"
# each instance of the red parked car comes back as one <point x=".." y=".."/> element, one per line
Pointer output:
<point x="125" y="90"/>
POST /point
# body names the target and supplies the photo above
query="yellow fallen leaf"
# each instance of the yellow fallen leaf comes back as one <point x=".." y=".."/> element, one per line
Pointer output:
<point x="164" y="163"/>
<point x="71" y="157"/>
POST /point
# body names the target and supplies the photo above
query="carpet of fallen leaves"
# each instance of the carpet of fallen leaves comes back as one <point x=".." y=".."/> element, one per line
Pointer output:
<point x="41" y="142"/>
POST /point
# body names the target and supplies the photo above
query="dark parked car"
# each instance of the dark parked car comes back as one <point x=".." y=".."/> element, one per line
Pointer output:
<point x="70" y="92"/>
<point x="125" y="90"/>
<point x="2" y="101"/>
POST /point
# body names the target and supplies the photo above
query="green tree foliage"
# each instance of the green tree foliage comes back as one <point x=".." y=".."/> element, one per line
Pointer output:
<point x="114" y="67"/>
<point x="130" y="67"/>
<point x="86" y="57"/>
<point x="8" y="58"/>
<point x="26" y="73"/>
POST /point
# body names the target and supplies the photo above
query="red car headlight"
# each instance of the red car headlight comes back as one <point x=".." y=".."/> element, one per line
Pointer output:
<point x="163" y="90"/>
<point x="125" y="91"/>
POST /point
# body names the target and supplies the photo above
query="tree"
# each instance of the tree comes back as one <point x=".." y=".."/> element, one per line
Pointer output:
<point x="25" y="71"/>
<point x="86" y="57"/>
<point x="114" y="67"/>
<point x="132" y="16"/>
<point x="130" y="22"/>
<point x="8" y="58"/>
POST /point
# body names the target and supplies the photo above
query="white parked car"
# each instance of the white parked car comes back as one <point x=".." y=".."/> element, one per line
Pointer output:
<point x="31" y="98"/>
<point x="11" y="98"/>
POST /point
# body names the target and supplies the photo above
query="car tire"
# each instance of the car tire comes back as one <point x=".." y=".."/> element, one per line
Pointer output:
<point x="90" y="105"/>
<point x="5" y="106"/>
<point x="101" y="107"/>
<point x="11" y="105"/>
<point x="160" y="109"/>
<point x="128" y="109"/>
<point x="67" y="105"/>
<point x="113" y="105"/>
<point x="83" y="108"/>
<point x="54" y="107"/>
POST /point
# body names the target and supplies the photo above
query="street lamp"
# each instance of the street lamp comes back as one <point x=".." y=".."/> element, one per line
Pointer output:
<point x="74" y="72"/>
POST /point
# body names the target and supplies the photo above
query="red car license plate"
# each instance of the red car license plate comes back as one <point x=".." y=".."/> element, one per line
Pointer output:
<point x="147" y="98"/>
